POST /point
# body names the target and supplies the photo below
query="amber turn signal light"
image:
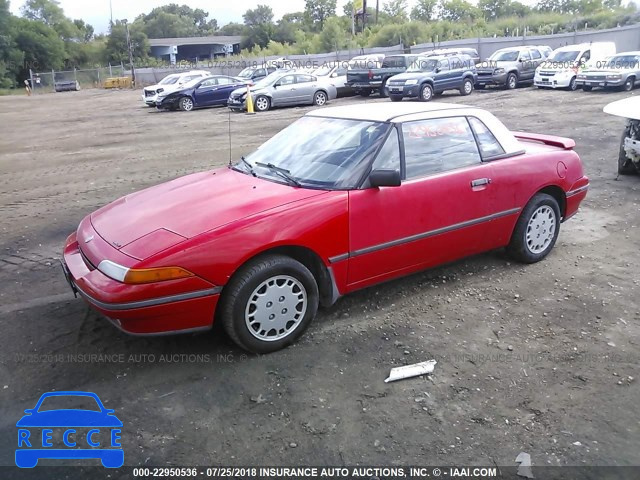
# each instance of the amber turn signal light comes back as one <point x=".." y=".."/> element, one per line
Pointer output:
<point x="151" y="275"/>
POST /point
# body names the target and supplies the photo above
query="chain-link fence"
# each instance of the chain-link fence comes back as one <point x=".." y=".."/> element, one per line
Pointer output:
<point x="45" y="82"/>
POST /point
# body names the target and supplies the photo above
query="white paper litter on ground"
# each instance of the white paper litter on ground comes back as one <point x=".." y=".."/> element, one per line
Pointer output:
<point x="408" y="371"/>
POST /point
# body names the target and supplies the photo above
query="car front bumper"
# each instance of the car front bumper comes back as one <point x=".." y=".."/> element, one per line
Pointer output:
<point x="592" y="82"/>
<point x="150" y="100"/>
<point x="553" y="79"/>
<point x="175" y="306"/>
<point x="492" y="79"/>
<point x="237" y="104"/>
<point x="404" y="90"/>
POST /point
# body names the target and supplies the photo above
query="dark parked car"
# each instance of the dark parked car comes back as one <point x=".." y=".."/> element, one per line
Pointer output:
<point x="365" y="81"/>
<point x="432" y="75"/>
<point x="204" y="92"/>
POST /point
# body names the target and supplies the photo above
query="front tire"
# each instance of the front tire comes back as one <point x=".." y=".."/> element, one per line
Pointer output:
<point x="537" y="229"/>
<point x="262" y="103"/>
<point x="625" y="166"/>
<point x="384" y="93"/>
<point x="320" y="99"/>
<point x="572" y="85"/>
<point x="185" y="104"/>
<point x="467" y="87"/>
<point x="629" y="84"/>
<point x="395" y="98"/>
<point x="512" y="81"/>
<point x="269" y="303"/>
<point x="426" y="93"/>
<point x="587" y="88"/>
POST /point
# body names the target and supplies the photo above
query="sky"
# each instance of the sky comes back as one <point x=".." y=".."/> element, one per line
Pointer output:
<point x="96" y="12"/>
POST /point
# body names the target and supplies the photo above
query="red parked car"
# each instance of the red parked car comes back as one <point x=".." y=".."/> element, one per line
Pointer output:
<point x="342" y="199"/>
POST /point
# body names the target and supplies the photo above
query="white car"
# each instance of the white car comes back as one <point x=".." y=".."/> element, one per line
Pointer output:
<point x="334" y="73"/>
<point x="169" y="84"/>
<point x="561" y="69"/>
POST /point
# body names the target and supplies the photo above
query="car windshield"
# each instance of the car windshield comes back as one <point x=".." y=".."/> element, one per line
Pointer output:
<point x="508" y="56"/>
<point x="322" y="71"/>
<point x="268" y="80"/>
<point x="623" y="61"/>
<point x="67" y="402"/>
<point x="423" y="65"/>
<point x="169" y="80"/>
<point x="566" y="56"/>
<point x="325" y="153"/>
<point x="246" y="73"/>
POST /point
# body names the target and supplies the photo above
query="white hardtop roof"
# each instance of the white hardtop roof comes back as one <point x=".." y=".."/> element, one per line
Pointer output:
<point x="412" y="112"/>
<point x="381" y="112"/>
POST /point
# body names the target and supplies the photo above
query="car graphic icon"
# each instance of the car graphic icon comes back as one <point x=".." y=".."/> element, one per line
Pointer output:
<point x="69" y="433"/>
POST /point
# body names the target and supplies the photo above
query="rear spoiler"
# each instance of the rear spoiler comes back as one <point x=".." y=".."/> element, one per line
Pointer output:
<point x="561" y="142"/>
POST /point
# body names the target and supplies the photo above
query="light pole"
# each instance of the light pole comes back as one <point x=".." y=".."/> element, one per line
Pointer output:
<point x="133" y="70"/>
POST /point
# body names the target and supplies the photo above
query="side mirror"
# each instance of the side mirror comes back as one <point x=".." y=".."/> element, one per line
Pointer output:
<point x="276" y="85"/>
<point x="334" y="75"/>
<point x="385" y="178"/>
<point x="438" y="70"/>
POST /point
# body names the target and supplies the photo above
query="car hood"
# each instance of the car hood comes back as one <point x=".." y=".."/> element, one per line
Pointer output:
<point x="191" y="205"/>
<point x="69" y="418"/>
<point x="604" y="71"/>
<point x="410" y="76"/>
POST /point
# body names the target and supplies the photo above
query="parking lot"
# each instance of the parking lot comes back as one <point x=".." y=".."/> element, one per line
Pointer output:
<point x="540" y="358"/>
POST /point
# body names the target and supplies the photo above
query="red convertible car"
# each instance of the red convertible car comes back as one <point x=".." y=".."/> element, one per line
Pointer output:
<point x="342" y="199"/>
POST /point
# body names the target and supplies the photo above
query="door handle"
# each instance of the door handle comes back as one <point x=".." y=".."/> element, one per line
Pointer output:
<point x="479" y="182"/>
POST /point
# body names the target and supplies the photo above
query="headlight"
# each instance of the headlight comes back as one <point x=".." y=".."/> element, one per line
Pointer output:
<point x="411" y="82"/>
<point x="160" y="90"/>
<point x="135" y="276"/>
<point x="614" y="77"/>
<point x="581" y="77"/>
<point x="498" y="71"/>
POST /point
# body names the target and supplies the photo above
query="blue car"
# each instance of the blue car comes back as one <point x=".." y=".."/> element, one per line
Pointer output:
<point x="69" y="433"/>
<point x="204" y="92"/>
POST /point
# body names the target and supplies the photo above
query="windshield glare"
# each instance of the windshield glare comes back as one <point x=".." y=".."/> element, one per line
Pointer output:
<point x="623" y="61"/>
<point x="326" y="153"/>
<point x="169" y="80"/>
<point x="321" y="71"/>
<point x="510" y="56"/>
<point x="268" y="80"/>
<point x="561" y="57"/>
<point x="423" y="65"/>
<point x="246" y="73"/>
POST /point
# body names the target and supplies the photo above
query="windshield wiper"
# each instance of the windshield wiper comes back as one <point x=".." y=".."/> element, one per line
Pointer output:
<point x="247" y="165"/>
<point x="282" y="172"/>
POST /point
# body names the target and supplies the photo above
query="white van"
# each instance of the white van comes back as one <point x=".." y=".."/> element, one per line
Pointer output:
<point x="562" y="66"/>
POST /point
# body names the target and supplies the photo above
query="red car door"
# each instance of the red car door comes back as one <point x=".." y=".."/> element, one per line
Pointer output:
<point x="439" y="213"/>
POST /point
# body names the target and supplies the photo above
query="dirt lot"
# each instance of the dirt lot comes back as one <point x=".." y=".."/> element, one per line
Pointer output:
<point x="541" y="358"/>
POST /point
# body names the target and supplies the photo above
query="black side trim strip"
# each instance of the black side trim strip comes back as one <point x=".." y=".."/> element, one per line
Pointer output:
<point x="421" y="236"/>
<point x="571" y="193"/>
<point x="149" y="303"/>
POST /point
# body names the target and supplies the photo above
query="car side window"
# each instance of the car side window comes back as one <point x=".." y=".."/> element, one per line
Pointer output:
<point x="443" y="65"/>
<point x="288" y="80"/>
<point x="224" y="81"/>
<point x="585" y="57"/>
<point x="438" y="145"/>
<point x="304" y="78"/>
<point x="260" y="72"/>
<point x="389" y="155"/>
<point x="535" y="54"/>
<point x="525" y="56"/>
<point x="456" y="64"/>
<point x="489" y="146"/>
<point x="341" y="71"/>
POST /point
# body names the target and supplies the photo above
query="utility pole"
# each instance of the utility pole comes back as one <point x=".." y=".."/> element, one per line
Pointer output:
<point x="377" y="10"/>
<point x="133" y="70"/>
<point x="364" y="14"/>
<point x="110" y="13"/>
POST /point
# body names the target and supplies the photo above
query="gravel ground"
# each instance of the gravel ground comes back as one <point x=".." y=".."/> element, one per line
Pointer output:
<point x="540" y="358"/>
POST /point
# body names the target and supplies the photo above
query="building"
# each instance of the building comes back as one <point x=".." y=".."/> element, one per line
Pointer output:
<point x="195" y="48"/>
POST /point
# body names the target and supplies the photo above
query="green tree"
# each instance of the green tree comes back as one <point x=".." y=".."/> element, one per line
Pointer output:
<point x="424" y="10"/>
<point x="396" y="10"/>
<point x="42" y="47"/>
<point x="175" y="20"/>
<point x="333" y="36"/>
<point x="51" y="14"/>
<point x="231" y="29"/>
<point x="319" y="10"/>
<point x="85" y="30"/>
<point x="116" y="49"/>
<point x="458" y="10"/>
<point x="259" y="27"/>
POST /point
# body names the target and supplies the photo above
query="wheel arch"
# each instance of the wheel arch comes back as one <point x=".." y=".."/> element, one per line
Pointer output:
<point x="558" y="194"/>
<point x="323" y="275"/>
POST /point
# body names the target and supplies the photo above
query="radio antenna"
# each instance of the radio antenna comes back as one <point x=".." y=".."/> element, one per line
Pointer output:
<point x="229" y="123"/>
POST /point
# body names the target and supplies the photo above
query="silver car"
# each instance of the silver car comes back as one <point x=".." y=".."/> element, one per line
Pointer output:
<point x="282" y="89"/>
<point x="619" y="71"/>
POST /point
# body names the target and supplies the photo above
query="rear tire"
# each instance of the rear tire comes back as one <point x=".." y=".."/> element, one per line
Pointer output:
<point x="384" y="93"/>
<point x="269" y="303"/>
<point x="320" y="98"/>
<point x="537" y="229"/>
<point x="625" y="166"/>
<point x="395" y="98"/>
<point x="467" y="87"/>
<point x="365" y="93"/>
